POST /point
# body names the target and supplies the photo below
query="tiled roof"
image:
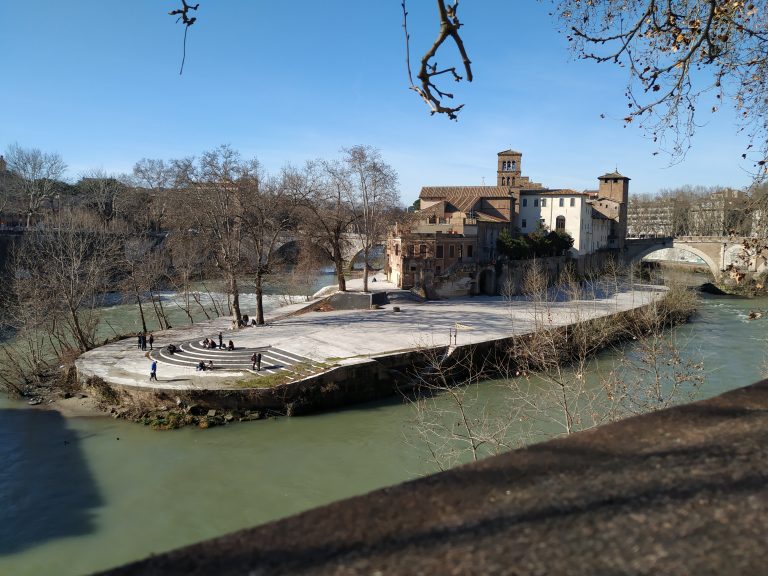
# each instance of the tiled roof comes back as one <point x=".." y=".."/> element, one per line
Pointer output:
<point x="510" y="152"/>
<point x="488" y="218"/>
<point x="463" y="197"/>
<point x="611" y="175"/>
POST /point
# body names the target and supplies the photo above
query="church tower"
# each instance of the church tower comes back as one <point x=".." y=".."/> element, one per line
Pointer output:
<point x="614" y="186"/>
<point x="508" y="169"/>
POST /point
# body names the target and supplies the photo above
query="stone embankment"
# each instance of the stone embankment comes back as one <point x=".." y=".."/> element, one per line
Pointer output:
<point x="677" y="492"/>
<point x="320" y="360"/>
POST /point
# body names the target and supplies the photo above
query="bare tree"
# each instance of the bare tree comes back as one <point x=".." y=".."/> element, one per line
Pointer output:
<point x="326" y="214"/>
<point x="373" y="198"/>
<point x="555" y="383"/>
<point x="102" y="193"/>
<point x="155" y="177"/>
<point x="37" y="176"/>
<point x="64" y="269"/>
<point x="269" y="212"/>
<point x="210" y="189"/>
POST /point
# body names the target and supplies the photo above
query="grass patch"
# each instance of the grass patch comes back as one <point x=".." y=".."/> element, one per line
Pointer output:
<point x="296" y="372"/>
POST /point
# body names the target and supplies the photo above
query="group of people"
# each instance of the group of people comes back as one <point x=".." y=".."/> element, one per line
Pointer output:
<point x="202" y="366"/>
<point x="211" y="343"/>
<point x="143" y="340"/>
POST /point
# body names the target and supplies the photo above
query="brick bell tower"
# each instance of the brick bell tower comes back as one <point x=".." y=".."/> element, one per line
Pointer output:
<point x="508" y="169"/>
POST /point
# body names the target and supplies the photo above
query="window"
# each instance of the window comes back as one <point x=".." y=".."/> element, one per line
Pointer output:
<point x="397" y="249"/>
<point x="469" y="250"/>
<point x="451" y="251"/>
<point x="562" y="202"/>
<point x="513" y="165"/>
<point x="432" y="220"/>
<point x="423" y="249"/>
<point x="439" y="251"/>
<point x="437" y="270"/>
<point x="525" y="224"/>
<point x="543" y="202"/>
<point x="535" y="202"/>
<point x="573" y="202"/>
<point x="525" y="201"/>
<point x="542" y="222"/>
<point x="560" y="223"/>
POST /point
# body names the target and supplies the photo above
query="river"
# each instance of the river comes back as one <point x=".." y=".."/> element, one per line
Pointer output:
<point x="84" y="494"/>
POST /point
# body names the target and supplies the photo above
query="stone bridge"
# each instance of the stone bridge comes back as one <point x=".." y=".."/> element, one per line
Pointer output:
<point x="352" y="246"/>
<point x="718" y="252"/>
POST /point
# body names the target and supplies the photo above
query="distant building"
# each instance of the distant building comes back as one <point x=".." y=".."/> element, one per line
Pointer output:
<point x="712" y="212"/>
<point x="455" y="231"/>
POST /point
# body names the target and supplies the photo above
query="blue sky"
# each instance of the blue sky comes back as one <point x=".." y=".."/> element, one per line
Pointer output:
<point x="98" y="82"/>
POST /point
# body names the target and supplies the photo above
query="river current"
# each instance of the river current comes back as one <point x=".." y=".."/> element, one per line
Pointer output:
<point x="85" y="494"/>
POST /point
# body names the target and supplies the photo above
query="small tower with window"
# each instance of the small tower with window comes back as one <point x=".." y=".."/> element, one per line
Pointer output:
<point x="508" y="167"/>
<point x="615" y="186"/>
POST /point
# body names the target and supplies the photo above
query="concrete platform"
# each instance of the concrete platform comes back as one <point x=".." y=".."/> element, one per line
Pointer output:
<point x="341" y="337"/>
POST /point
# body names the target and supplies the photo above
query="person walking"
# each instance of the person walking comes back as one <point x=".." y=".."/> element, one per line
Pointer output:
<point x="258" y="361"/>
<point x="221" y="341"/>
<point x="151" y="340"/>
<point x="143" y="341"/>
<point x="253" y="361"/>
<point x="153" y="371"/>
<point x="139" y="339"/>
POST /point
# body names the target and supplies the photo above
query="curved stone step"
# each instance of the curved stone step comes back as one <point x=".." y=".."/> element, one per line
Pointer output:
<point x="189" y="354"/>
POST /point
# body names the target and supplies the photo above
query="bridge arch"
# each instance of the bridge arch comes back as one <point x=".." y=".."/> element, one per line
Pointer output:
<point x="714" y="267"/>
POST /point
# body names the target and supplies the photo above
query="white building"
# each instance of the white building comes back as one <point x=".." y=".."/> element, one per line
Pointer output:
<point x="568" y="210"/>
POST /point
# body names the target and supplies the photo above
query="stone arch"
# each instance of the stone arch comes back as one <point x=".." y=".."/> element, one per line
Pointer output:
<point x="713" y="266"/>
<point x="381" y="247"/>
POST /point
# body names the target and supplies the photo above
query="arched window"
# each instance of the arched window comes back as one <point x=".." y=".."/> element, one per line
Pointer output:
<point x="560" y="223"/>
<point x="513" y="165"/>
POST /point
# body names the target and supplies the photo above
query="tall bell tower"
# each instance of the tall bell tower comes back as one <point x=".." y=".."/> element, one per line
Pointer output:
<point x="509" y="167"/>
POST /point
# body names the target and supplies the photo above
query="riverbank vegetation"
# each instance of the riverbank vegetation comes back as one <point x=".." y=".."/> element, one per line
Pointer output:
<point x="555" y="381"/>
<point x="178" y="225"/>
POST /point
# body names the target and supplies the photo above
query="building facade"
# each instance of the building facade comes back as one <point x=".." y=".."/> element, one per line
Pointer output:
<point x="454" y="233"/>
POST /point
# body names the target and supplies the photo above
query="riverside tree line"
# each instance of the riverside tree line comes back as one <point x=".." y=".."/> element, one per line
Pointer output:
<point x="169" y="225"/>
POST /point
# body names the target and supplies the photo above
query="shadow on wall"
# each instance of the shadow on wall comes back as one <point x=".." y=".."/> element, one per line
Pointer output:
<point x="46" y="489"/>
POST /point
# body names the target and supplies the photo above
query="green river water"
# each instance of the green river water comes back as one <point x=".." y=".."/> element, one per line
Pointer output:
<point x="85" y="494"/>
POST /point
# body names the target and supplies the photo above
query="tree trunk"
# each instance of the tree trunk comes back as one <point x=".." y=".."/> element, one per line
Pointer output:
<point x="365" y="269"/>
<point x="141" y="312"/>
<point x="339" y="262"/>
<point x="259" y="300"/>
<point x="233" y="290"/>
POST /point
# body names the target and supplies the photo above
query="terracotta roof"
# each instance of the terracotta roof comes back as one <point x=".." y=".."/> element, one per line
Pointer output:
<point x="463" y="198"/>
<point x="488" y="218"/>
<point x="510" y="152"/>
<point x="611" y="175"/>
<point x="448" y="192"/>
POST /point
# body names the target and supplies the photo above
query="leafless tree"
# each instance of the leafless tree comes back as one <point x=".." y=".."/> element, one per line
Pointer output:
<point x="64" y="269"/>
<point x="373" y="198"/>
<point x="152" y="180"/>
<point x="326" y="214"/>
<point x="38" y="176"/>
<point x="555" y="383"/>
<point x="102" y="194"/>
<point x="208" y="200"/>
<point x="269" y="213"/>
